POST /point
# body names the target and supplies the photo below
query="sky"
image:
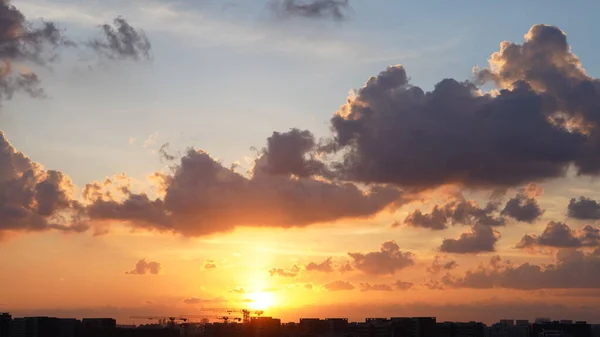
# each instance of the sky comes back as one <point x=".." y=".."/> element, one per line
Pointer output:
<point x="381" y="158"/>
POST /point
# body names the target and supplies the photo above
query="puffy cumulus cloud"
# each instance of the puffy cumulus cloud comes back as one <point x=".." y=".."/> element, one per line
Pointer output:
<point x="143" y="267"/>
<point x="121" y="41"/>
<point x="440" y="263"/>
<point x="375" y="287"/>
<point x="339" y="286"/>
<point x="203" y="197"/>
<point x="325" y="266"/>
<point x="457" y="210"/>
<point x="480" y="239"/>
<point x="210" y="264"/>
<point x="584" y="208"/>
<point x="402" y="285"/>
<point x="543" y="119"/>
<point x="292" y="272"/>
<point x="558" y="234"/>
<point x="524" y="207"/>
<point x="291" y="153"/>
<point x="571" y="269"/>
<point x="334" y="9"/>
<point x="388" y="260"/>
<point x="34" y="199"/>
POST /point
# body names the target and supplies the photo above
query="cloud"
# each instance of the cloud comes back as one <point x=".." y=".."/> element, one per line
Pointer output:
<point x="192" y="300"/>
<point x="571" y="269"/>
<point x="292" y="272"/>
<point x="334" y="9"/>
<point x="523" y="207"/>
<point x="26" y="42"/>
<point x="34" y="199"/>
<point x="23" y="41"/>
<point x="364" y="287"/>
<point x="339" y="286"/>
<point x="560" y="235"/>
<point x="457" y="210"/>
<point x="121" y="42"/>
<point x="387" y="260"/>
<point x="291" y="153"/>
<point x="480" y="239"/>
<point x="325" y="266"/>
<point x="203" y="197"/>
<point x="584" y="209"/>
<point x="541" y="121"/>
<point x="210" y="264"/>
<point x="195" y="300"/>
<point x="440" y="263"/>
<point x="346" y="267"/>
<point x="143" y="267"/>
<point x="401" y="285"/>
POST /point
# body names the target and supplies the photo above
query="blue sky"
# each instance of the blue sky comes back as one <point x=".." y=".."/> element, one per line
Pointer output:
<point x="223" y="78"/>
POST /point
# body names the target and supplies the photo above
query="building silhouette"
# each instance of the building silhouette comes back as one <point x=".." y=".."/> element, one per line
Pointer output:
<point x="307" y="327"/>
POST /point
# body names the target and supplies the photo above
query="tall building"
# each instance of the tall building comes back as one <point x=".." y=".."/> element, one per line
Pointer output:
<point x="5" y="324"/>
<point x="470" y="329"/>
<point x="35" y="327"/>
<point x="263" y="327"/>
<point x="413" y="326"/>
<point x="336" y="327"/>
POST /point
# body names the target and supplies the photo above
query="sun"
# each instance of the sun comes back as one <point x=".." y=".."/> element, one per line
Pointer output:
<point x="261" y="300"/>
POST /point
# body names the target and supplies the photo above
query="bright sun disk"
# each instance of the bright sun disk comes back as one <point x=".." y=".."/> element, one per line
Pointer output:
<point x="261" y="300"/>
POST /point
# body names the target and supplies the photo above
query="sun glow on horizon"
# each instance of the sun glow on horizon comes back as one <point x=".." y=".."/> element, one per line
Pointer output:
<point x="261" y="300"/>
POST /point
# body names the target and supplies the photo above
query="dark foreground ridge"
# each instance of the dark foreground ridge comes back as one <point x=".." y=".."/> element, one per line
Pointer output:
<point x="307" y="327"/>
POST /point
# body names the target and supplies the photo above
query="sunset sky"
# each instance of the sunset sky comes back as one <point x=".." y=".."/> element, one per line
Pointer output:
<point x="380" y="159"/>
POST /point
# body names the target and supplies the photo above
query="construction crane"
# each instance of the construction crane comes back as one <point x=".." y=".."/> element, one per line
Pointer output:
<point x="245" y="312"/>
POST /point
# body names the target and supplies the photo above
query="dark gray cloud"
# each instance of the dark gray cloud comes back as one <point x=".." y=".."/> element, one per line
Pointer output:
<point x="458" y="210"/>
<point x="584" y="209"/>
<point x="203" y="197"/>
<point x="339" y="286"/>
<point x="33" y="199"/>
<point x="375" y="287"/>
<point x="292" y="272"/>
<point x="325" y="266"/>
<point x="388" y="260"/>
<point x="121" y="41"/>
<point x="571" y="269"/>
<point x="543" y="119"/>
<point x="524" y="207"/>
<point x="333" y="9"/>
<point x="291" y="153"/>
<point x="143" y="267"/>
<point x="480" y="239"/>
<point x="24" y="42"/>
<point x="560" y="235"/>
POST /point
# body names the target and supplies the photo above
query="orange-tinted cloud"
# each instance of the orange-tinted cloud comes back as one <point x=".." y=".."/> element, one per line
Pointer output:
<point x="339" y="286"/>
<point x="387" y="260"/>
<point x="203" y="197"/>
<point x="143" y="267"/>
